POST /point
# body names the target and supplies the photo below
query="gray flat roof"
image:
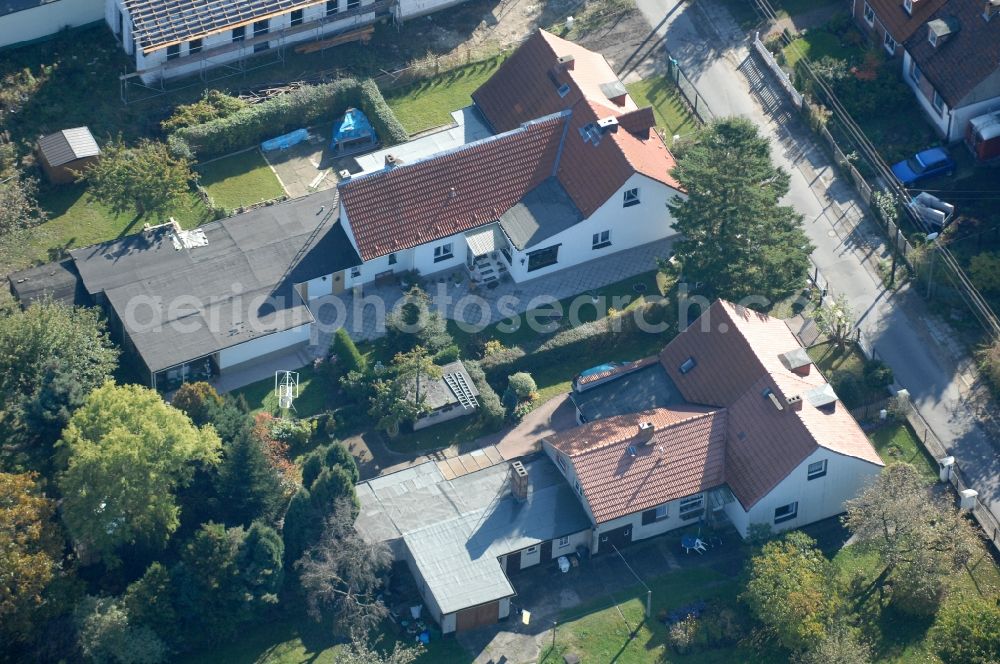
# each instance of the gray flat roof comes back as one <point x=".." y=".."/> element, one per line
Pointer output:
<point x="437" y="394"/>
<point x="469" y="127"/>
<point x="456" y="530"/>
<point x="182" y="304"/>
<point x="545" y="211"/>
<point x="58" y="280"/>
<point x="644" y="389"/>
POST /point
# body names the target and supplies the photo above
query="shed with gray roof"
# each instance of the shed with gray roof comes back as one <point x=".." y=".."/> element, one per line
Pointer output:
<point x="66" y="152"/>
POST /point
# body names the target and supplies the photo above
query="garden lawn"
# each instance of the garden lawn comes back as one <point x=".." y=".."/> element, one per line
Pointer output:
<point x="429" y="103"/>
<point x="601" y="634"/>
<point x="240" y="180"/>
<point x="302" y="640"/>
<point x="76" y="221"/>
<point x="897" y="442"/>
<point x="816" y="44"/>
<point x="314" y="392"/>
<point x="672" y="114"/>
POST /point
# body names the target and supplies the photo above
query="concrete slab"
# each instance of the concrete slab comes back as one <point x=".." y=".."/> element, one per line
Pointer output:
<point x="305" y="168"/>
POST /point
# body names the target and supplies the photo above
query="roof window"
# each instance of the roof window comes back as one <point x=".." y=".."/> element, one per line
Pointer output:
<point x="687" y="365"/>
<point x="563" y="90"/>
<point x="591" y="133"/>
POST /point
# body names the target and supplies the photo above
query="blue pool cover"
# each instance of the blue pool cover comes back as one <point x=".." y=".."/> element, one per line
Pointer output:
<point x="598" y="369"/>
<point x="353" y="127"/>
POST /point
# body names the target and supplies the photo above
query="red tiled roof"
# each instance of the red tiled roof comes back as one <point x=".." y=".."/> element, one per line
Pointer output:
<point x="411" y="204"/>
<point x="964" y="60"/>
<point x="684" y="456"/>
<point x="894" y="18"/>
<point x="737" y="365"/>
<point x="620" y="428"/>
<point x="590" y="174"/>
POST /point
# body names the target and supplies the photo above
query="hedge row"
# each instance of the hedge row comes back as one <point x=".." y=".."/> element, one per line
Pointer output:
<point x="591" y="339"/>
<point x="299" y="108"/>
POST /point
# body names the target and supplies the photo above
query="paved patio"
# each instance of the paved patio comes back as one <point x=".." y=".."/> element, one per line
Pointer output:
<point x="364" y="317"/>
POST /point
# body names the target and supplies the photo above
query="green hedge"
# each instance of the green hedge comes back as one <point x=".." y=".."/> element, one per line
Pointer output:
<point x="299" y="108"/>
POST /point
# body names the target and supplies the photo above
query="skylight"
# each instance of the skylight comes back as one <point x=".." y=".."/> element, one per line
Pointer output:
<point x="688" y="365"/>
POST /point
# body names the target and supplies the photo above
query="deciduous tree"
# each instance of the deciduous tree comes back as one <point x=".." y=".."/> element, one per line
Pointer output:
<point x="105" y="635"/>
<point x="736" y="238"/>
<point x="918" y="539"/>
<point x="51" y="356"/>
<point x="126" y="452"/>
<point x="791" y="590"/>
<point x="412" y="322"/>
<point x="342" y="575"/>
<point x="30" y="552"/>
<point x="836" y="320"/>
<point x="18" y="206"/>
<point x="146" y="178"/>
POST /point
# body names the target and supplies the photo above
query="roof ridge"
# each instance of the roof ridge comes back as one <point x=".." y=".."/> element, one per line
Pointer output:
<point x="666" y="427"/>
<point x="563" y="115"/>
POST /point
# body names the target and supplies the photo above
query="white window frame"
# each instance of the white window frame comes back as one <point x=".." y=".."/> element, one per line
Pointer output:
<point x="908" y="6"/>
<point x="915" y="72"/>
<point x="662" y="511"/>
<point x="532" y="549"/>
<point x="937" y="101"/>
<point x="564" y="542"/>
<point x="631" y="197"/>
<point x="691" y="507"/>
<point x="790" y="515"/>
<point x="600" y="240"/>
<point x="869" y="15"/>
<point x="816" y="470"/>
<point x="889" y="43"/>
<point x="443" y="252"/>
<point x="563" y="90"/>
<point x="932" y="38"/>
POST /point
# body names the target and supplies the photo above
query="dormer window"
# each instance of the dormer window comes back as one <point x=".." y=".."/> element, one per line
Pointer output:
<point x="908" y="6"/>
<point x="932" y="38"/>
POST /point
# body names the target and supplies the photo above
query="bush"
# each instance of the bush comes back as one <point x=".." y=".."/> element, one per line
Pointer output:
<point x="846" y="385"/>
<point x="344" y="355"/>
<point x="522" y="384"/>
<point x="299" y="108"/>
<point x="449" y="353"/>
<point x="291" y="432"/>
<point x="196" y="400"/>
<point x="490" y="408"/>
<point x="967" y="632"/>
<point x="984" y="269"/>
<point x="878" y="374"/>
<point x="213" y="104"/>
<point x="989" y="363"/>
<point x="682" y="634"/>
<point x="493" y="347"/>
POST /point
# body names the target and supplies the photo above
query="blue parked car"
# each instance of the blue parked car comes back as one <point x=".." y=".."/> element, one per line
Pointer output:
<point x="924" y="164"/>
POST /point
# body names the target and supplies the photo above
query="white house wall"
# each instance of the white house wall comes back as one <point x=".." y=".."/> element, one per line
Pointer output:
<point x="818" y="499"/>
<point x="565" y="466"/>
<point x="148" y="64"/>
<point x="640" y="531"/>
<point x="630" y="227"/>
<point x="255" y="348"/>
<point x="44" y="20"/>
<point x="412" y="8"/>
<point x="319" y="287"/>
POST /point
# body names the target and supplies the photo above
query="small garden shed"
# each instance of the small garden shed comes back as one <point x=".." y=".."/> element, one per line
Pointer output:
<point x="67" y="151"/>
<point x="352" y="133"/>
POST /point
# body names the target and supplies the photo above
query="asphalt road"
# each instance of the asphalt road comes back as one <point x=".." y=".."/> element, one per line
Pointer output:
<point x="711" y="49"/>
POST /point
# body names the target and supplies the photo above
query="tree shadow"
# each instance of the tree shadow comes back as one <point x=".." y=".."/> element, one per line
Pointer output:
<point x="127" y="230"/>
